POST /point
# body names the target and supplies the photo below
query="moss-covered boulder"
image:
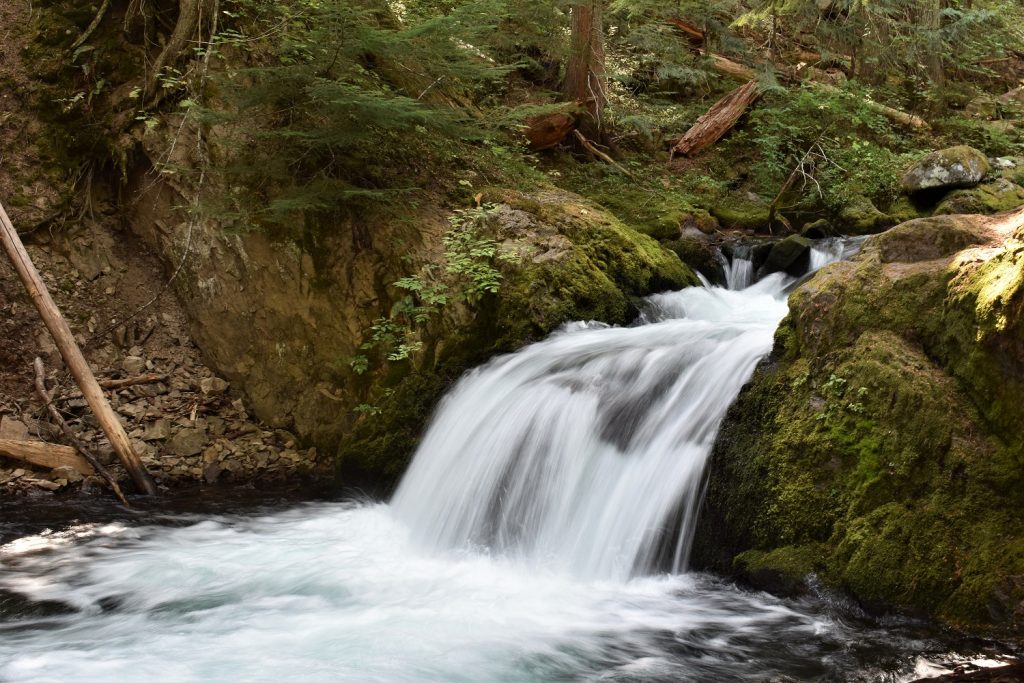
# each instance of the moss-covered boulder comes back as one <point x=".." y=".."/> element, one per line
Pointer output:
<point x="791" y="255"/>
<point x="744" y="213"/>
<point x="701" y="254"/>
<point x="859" y="216"/>
<point x="946" y="169"/>
<point x="880" y="446"/>
<point x="990" y="197"/>
<point x="570" y="260"/>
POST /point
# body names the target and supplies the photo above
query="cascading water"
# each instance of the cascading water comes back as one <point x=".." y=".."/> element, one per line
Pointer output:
<point x="516" y="549"/>
<point x="586" y="450"/>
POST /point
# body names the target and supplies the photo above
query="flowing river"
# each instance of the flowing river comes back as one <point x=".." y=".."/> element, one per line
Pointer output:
<point x="540" y="534"/>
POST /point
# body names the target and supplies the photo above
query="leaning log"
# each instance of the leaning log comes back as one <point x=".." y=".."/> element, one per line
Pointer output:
<point x="43" y="454"/>
<point x="72" y="356"/>
<point x="718" y="120"/>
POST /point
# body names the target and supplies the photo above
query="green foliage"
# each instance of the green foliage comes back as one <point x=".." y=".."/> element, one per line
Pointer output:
<point x="467" y="274"/>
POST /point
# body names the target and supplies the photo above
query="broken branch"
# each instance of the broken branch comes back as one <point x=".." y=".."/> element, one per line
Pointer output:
<point x="587" y="145"/>
<point x="55" y="415"/>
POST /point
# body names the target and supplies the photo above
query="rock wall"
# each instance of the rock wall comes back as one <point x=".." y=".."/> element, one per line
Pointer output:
<point x="880" y="446"/>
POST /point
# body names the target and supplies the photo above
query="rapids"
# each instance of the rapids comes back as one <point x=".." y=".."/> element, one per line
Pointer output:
<point x="540" y="534"/>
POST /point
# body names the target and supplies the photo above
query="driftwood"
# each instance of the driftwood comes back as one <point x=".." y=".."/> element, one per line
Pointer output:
<point x="718" y="120"/>
<point x="547" y="130"/>
<point x="43" y="454"/>
<point x="47" y="398"/>
<point x="72" y="355"/>
<point x="589" y="147"/>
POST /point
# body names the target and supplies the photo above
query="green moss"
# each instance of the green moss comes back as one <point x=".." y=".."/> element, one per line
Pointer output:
<point x="742" y="213"/>
<point x="575" y="262"/>
<point x="884" y="434"/>
<point x="992" y="197"/>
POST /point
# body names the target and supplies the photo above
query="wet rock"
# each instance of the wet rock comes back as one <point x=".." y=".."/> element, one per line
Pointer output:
<point x="946" y="169"/>
<point x="791" y="255"/>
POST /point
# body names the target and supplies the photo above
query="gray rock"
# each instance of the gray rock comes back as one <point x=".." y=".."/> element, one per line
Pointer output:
<point x="68" y="473"/>
<point x="187" y="442"/>
<point x="133" y="364"/>
<point x="213" y="386"/>
<point x="951" y="168"/>
<point x="157" y="431"/>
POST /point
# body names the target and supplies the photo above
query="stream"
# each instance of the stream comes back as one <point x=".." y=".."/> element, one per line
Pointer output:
<point x="541" y="534"/>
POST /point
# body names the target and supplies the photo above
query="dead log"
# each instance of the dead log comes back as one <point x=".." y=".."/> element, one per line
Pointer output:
<point x="895" y="115"/>
<point x="114" y="384"/>
<point x="728" y="67"/>
<point x="46" y="455"/>
<point x="72" y="356"/>
<point x="718" y="120"/>
<point x="547" y="130"/>
<point x="47" y="398"/>
<point x="692" y="33"/>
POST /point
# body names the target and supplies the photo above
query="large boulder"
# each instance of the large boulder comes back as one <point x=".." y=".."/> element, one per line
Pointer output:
<point x="946" y="169"/>
<point x="879" y="447"/>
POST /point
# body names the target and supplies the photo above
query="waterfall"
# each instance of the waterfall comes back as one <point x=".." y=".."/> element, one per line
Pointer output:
<point x="585" y="452"/>
<point x="739" y="274"/>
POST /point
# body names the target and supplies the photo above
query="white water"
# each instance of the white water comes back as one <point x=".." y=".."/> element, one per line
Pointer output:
<point x="583" y="452"/>
<point x="515" y="550"/>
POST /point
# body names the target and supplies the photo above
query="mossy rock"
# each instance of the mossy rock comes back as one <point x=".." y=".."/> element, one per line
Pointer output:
<point x="572" y="260"/>
<point x="946" y="169"/>
<point x="880" y="446"/>
<point x="701" y="255"/>
<point x="990" y="197"/>
<point x="791" y="255"/>
<point x="741" y="213"/>
<point x="859" y="216"/>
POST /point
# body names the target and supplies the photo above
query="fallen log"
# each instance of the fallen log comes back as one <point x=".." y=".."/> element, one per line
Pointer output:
<point x="718" y="120"/>
<point x="47" y="398"/>
<point x="72" y="356"/>
<point x="693" y="34"/>
<point x="728" y="67"/>
<point x="44" y="454"/>
<point x="113" y="384"/>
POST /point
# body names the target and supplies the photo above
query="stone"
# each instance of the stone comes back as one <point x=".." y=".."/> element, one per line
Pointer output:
<point x="213" y="386"/>
<point x="157" y="430"/>
<point x="13" y="429"/>
<point x="133" y="365"/>
<point x="70" y="474"/>
<point x="791" y="255"/>
<point x="987" y="198"/>
<point x="946" y="169"/>
<point x="187" y="442"/>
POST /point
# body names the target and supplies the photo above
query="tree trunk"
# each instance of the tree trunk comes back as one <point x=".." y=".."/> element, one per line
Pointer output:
<point x="585" y="78"/>
<point x="718" y="120"/>
<point x="72" y="356"/>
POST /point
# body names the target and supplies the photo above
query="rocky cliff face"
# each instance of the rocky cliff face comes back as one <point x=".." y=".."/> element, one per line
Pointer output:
<point x="880" y="446"/>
